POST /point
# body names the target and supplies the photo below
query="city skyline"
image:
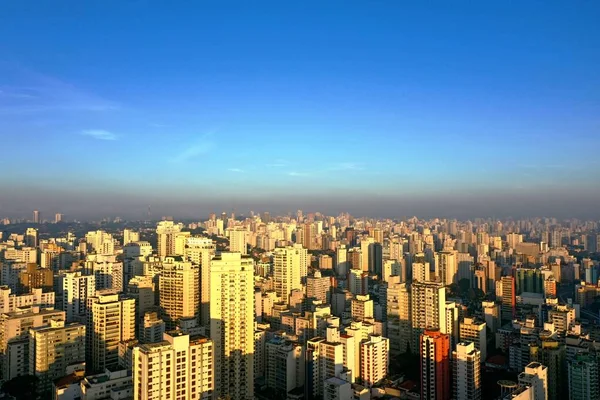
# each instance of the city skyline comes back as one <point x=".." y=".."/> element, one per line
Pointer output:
<point x="382" y="110"/>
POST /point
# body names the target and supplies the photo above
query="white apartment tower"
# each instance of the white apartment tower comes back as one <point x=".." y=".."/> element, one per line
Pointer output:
<point x="398" y="303"/>
<point x="341" y="260"/>
<point x="374" y="359"/>
<point x="130" y="236"/>
<point x="466" y="360"/>
<point x="446" y="267"/>
<point x="107" y="270"/>
<point x="238" y="240"/>
<point x="536" y="376"/>
<point x="178" y="368"/>
<point x="232" y="324"/>
<point x="76" y="289"/>
<point x="166" y="232"/>
<point x="286" y="268"/>
<point x="200" y="251"/>
<point x="473" y="330"/>
<point x="428" y="308"/>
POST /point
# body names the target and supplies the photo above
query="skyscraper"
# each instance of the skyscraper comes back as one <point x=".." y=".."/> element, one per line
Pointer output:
<point x="287" y="269"/>
<point x="435" y="365"/>
<point x="428" y="308"/>
<point x="508" y="298"/>
<point x="536" y="376"/>
<point x="446" y="267"/>
<point x="342" y="265"/>
<point x="398" y="308"/>
<point x="179" y="291"/>
<point x="374" y="359"/>
<point x="583" y="377"/>
<point x="232" y="325"/>
<point x="54" y="348"/>
<point x="31" y="237"/>
<point x="111" y="319"/>
<point x="238" y="240"/>
<point x="473" y="330"/>
<point x="166" y="232"/>
<point x="179" y="367"/>
<point x="14" y="338"/>
<point x="76" y="289"/>
<point x="36" y="217"/>
<point x="200" y="251"/>
<point x="466" y="360"/>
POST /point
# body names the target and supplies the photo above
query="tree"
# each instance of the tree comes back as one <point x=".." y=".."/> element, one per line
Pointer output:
<point x="464" y="285"/>
<point x="22" y="387"/>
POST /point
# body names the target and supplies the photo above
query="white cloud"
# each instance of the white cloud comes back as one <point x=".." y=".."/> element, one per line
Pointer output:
<point x="99" y="134"/>
<point x="236" y="170"/>
<point x="296" y="173"/>
<point x="42" y="93"/>
<point x="348" y="166"/>
<point x="202" y="146"/>
<point x="277" y="164"/>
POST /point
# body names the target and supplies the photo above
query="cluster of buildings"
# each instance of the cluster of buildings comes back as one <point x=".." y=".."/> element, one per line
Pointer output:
<point x="304" y="307"/>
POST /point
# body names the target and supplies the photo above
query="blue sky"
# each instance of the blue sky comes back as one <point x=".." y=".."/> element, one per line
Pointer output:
<point x="193" y="106"/>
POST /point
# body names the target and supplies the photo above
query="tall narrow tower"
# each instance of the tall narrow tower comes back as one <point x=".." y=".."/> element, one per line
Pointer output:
<point x="232" y="325"/>
<point x="467" y="372"/>
<point x="435" y="365"/>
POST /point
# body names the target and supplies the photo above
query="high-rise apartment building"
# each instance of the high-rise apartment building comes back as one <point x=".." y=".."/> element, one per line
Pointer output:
<point x="318" y="287"/>
<point x="285" y="367"/>
<point x="130" y="236"/>
<point x="446" y="267"/>
<point x="362" y="308"/>
<point x="342" y="266"/>
<point x="100" y="242"/>
<point x="374" y="360"/>
<point x="37" y="218"/>
<point x="58" y="217"/>
<point x="583" y="377"/>
<point x="36" y="278"/>
<point x="287" y="269"/>
<point x="200" y="251"/>
<point x="53" y="349"/>
<point x="151" y="327"/>
<point x="179" y="291"/>
<point x="37" y="298"/>
<point x="178" y="368"/>
<point x="536" y="376"/>
<point x="325" y="359"/>
<point x="473" y="330"/>
<point x="398" y="310"/>
<point x="232" y="324"/>
<point x="111" y="319"/>
<point x="76" y="289"/>
<point x="107" y="270"/>
<point x="338" y="389"/>
<point x="166" y="231"/>
<point x="434" y="353"/>
<point x="421" y="272"/>
<point x="428" y="308"/>
<point x="508" y="298"/>
<point x="466" y="361"/>
<point x="31" y="237"/>
<point x="141" y="288"/>
<point x="14" y="338"/>
<point x="238" y="240"/>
